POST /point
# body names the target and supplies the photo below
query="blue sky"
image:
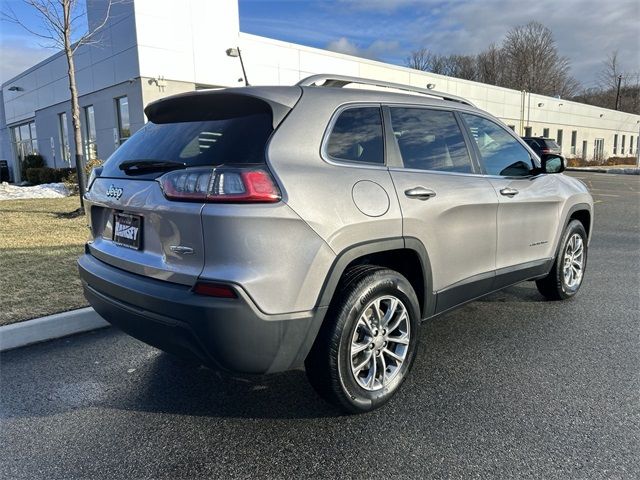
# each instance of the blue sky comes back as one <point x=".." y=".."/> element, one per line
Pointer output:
<point x="388" y="30"/>
<point x="586" y="31"/>
<point x="383" y="30"/>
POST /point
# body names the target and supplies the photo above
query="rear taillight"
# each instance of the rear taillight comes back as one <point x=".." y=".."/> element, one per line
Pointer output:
<point x="221" y="184"/>
<point x="95" y="173"/>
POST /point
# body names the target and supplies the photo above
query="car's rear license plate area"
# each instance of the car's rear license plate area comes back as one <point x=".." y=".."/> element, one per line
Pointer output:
<point x="127" y="230"/>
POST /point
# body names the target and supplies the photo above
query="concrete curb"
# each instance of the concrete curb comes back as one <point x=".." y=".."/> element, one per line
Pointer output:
<point x="625" y="171"/>
<point x="587" y="169"/>
<point x="618" y="171"/>
<point x="47" y="328"/>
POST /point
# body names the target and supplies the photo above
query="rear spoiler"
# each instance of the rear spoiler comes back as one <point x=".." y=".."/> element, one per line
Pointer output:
<point x="202" y="105"/>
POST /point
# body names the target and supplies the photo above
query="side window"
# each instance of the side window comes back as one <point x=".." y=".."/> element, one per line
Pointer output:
<point x="430" y="140"/>
<point x="357" y="136"/>
<point x="501" y="153"/>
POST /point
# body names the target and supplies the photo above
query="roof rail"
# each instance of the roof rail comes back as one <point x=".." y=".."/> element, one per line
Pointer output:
<point x="340" y="81"/>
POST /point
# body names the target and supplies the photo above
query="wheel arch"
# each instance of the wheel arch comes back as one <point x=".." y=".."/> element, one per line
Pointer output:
<point x="583" y="215"/>
<point x="583" y="212"/>
<point x="578" y="211"/>
<point x="407" y="255"/>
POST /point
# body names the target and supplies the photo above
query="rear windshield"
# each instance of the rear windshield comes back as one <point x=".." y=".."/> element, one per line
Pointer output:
<point x="236" y="140"/>
<point x="550" y="144"/>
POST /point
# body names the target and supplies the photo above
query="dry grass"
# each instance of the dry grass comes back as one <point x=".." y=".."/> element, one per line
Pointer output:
<point x="38" y="252"/>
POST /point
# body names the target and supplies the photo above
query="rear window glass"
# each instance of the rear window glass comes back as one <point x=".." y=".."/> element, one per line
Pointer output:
<point x="552" y="145"/>
<point x="357" y="136"/>
<point x="237" y="140"/>
<point x="532" y="143"/>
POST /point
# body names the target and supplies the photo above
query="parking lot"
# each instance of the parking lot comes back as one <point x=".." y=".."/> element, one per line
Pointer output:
<point x="508" y="386"/>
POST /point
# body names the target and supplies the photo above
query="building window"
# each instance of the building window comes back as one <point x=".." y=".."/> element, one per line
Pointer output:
<point x="624" y="137"/>
<point x="527" y="131"/>
<point x="631" y="145"/>
<point x="559" y="139"/>
<point x="615" y="144"/>
<point x="585" y="147"/>
<point x="545" y="132"/>
<point x="25" y="140"/>
<point x="34" y="136"/>
<point x="598" y="149"/>
<point x="512" y="127"/>
<point x="124" y="126"/>
<point x="574" y="141"/>
<point x="65" y="153"/>
<point x="90" y="147"/>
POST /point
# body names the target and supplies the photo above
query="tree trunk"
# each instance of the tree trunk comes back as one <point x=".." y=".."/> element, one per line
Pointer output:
<point x="75" y="106"/>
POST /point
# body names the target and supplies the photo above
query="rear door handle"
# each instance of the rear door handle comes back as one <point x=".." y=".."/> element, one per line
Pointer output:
<point x="420" y="193"/>
<point x="509" y="192"/>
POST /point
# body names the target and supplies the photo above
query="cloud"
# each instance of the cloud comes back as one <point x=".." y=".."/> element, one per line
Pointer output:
<point x="375" y="50"/>
<point x="585" y="31"/>
<point x="344" y="45"/>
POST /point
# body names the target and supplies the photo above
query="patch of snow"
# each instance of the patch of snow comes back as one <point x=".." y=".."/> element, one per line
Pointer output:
<point x="46" y="190"/>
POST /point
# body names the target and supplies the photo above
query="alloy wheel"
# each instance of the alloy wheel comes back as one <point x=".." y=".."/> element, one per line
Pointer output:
<point x="573" y="266"/>
<point x="380" y="343"/>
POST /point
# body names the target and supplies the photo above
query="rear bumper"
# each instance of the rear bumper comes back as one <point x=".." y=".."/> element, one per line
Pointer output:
<point x="227" y="333"/>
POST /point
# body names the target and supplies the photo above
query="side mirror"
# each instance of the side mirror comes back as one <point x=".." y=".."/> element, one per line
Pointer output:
<point x="552" y="163"/>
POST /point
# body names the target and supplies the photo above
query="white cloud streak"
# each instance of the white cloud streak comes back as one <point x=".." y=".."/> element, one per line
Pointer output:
<point x="375" y="50"/>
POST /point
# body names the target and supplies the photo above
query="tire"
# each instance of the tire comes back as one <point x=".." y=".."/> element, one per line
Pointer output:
<point x="560" y="285"/>
<point x="351" y="336"/>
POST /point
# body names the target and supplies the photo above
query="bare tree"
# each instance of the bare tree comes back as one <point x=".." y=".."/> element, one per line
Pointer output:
<point x="527" y="59"/>
<point x="420" y="59"/>
<point x="604" y="95"/>
<point x="463" y="66"/>
<point x="491" y="65"/>
<point x="608" y="76"/>
<point x="60" y="21"/>
<point x="460" y="66"/>
<point x="533" y="61"/>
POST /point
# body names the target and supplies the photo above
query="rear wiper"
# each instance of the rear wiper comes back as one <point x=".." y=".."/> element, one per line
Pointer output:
<point x="135" y="166"/>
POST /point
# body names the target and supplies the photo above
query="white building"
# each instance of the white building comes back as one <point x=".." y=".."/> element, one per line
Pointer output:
<point x="153" y="48"/>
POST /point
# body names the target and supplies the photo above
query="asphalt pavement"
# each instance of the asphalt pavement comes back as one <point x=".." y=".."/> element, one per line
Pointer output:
<point x="510" y="386"/>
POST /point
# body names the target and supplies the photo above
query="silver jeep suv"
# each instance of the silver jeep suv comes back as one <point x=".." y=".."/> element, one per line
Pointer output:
<point x="260" y="229"/>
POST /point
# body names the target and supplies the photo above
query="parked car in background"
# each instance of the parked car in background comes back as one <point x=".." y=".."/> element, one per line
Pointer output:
<point x="543" y="146"/>
<point x="260" y="229"/>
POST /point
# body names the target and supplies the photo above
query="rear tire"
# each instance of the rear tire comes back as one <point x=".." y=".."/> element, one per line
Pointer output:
<point x="367" y="344"/>
<point x="568" y="269"/>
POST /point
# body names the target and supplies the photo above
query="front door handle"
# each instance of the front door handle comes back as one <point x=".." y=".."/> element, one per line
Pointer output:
<point x="420" y="193"/>
<point x="509" y="192"/>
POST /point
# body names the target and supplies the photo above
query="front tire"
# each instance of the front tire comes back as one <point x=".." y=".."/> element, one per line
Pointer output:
<point x="367" y="345"/>
<point x="567" y="273"/>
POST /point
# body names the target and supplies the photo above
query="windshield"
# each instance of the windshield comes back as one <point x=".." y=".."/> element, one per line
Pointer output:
<point x="237" y="140"/>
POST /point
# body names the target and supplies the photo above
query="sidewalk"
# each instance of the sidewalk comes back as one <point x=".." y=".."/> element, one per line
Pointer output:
<point x="615" y="169"/>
